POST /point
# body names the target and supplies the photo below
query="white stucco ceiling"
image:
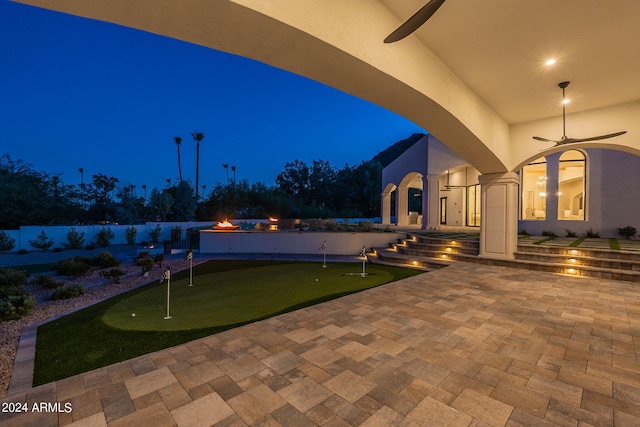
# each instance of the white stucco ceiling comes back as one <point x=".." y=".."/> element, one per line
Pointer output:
<point x="498" y="47"/>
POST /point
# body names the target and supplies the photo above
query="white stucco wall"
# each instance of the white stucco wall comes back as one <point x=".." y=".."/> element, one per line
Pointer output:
<point x="304" y="242"/>
<point x="612" y="200"/>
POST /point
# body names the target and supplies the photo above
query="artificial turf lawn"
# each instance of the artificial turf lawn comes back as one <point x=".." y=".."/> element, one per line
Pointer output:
<point x="225" y="294"/>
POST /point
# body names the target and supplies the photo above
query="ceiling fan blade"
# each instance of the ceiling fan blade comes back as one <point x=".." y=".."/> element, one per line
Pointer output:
<point x="596" y="138"/>
<point x="538" y="138"/>
<point x="415" y="22"/>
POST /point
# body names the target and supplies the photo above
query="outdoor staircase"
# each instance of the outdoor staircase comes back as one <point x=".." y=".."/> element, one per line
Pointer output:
<point x="430" y="252"/>
<point x="602" y="263"/>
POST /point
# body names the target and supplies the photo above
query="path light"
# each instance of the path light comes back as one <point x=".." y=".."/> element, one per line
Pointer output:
<point x="167" y="276"/>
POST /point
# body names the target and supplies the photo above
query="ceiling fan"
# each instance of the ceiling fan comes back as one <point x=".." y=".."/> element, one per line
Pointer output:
<point x="415" y="22"/>
<point x="566" y="140"/>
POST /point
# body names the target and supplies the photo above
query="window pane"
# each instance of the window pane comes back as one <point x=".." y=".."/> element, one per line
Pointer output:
<point x="571" y="185"/>
<point x="534" y="190"/>
<point x="473" y="205"/>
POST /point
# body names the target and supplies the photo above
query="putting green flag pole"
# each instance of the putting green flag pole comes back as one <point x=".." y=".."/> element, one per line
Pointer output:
<point x="363" y="254"/>
<point x="323" y="248"/>
<point x="189" y="258"/>
<point x="167" y="275"/>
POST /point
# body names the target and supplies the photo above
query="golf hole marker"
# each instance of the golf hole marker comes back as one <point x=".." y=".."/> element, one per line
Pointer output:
<point x="363" y="254"/>
<point x="323" y="248"/>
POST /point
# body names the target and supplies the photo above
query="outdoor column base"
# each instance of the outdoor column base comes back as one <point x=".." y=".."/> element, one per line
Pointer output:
<point x="499" y="217"/>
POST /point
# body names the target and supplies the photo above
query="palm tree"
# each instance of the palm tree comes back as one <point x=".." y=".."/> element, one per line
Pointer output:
<point x="233" y="168"/>
<point x="81" y="170"/>
<point x="197" y="136"/>
<point x="178" y="141"/>
<point x="226" y="167"/>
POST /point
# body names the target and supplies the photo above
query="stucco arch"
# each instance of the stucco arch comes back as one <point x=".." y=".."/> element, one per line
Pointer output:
<point x="582" y="147"/>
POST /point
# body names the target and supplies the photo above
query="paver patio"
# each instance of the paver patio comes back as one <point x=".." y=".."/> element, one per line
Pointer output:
<point x="465" y="345"/>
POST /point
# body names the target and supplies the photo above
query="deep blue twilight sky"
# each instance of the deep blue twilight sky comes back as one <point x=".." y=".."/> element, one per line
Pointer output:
<point x="80" y="93"/>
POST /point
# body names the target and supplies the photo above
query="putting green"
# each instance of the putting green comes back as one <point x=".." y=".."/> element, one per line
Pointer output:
<point x="233" y="297"/>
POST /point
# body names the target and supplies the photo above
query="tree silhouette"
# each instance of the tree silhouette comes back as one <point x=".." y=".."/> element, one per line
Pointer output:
<point x="226" y="168"/>
<point x="178" y="141"/>
<point x="197" y="136"/>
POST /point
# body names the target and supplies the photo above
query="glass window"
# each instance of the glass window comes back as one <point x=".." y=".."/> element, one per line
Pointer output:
<point x="571" y="186"/>
<point x="443" y="210"/>
<point x="473" y="205"/>
<point x="534" y="190"/>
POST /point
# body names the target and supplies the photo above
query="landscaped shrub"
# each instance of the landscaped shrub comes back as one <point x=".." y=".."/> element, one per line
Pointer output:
<point x="75" y="239"/>
<point x="46" y="281"/>
<point x="331" y="225"/>
<point x="524" y="232"/>
<point x="15" y="301"/>
<point x="627" y="232"/>
<point x="144" y="261"/>
<point x="16" y="305"/>
<point x="105" y="260"/>
<point x="113" y="274"/>
<point x="66" y="292"/>
<point x="75" y="266"/>
<point x="104" y="237"/>
<point x="548" y="233"/>
<point x="366" y="226"/>
<point x="130" y="235"/>
<point x="10" y="277"/>
<point x="6" y="243"/>
<point x="593" y="234"/>
<point x="90" y="247"/>
<point x="158" y="259"/>
<point x="571" y="233"/>
<point x="154" y="234"/>
<point x="42" y="242"/>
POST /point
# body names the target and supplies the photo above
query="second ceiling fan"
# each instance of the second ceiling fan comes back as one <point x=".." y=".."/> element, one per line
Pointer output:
<point x="565" y="139"/>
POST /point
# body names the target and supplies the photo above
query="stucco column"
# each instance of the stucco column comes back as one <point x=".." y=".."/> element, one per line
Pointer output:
<point x="430" y="202"/>
<point x="386" y="207"/>
<point x="499" y="219"/>
<point x="402" y="205"/>
<point x="553" y="161"/>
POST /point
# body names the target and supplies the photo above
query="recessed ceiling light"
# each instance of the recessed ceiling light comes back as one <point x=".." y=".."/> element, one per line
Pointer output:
<point x="550" y="62"/>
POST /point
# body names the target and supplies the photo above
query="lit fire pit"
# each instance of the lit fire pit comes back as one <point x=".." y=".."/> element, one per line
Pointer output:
<point x="225" y="225"/>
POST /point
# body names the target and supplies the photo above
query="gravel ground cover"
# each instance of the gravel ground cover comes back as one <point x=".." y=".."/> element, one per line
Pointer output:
<point x="97" y="288"/>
